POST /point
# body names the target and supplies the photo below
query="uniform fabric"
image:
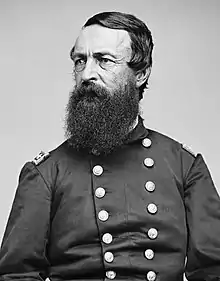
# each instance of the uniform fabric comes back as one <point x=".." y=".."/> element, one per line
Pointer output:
<point x="54" y="228"/>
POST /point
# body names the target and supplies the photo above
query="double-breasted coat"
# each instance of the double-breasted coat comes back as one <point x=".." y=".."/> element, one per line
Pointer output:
<point x="135" y="214"/>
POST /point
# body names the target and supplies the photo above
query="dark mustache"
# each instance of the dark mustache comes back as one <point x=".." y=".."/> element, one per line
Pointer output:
<point x="91" y="89"/>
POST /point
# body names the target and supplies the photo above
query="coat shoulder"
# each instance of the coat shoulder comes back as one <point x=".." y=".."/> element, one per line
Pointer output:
<point x="47" y="164"/>
<point x="45" y="158"/>
<point x="176" y="153"/>
<point x="168" y="142"/>
<point x="162" y="138"/>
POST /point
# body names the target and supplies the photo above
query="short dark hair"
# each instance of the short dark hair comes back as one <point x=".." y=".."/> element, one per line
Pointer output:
<point x="140" y="35"/>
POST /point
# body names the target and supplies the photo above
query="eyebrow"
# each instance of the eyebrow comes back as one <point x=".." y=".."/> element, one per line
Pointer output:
<point x="104" y="53"/>
<point x="96" y="54"/>
<point x="80" y="55"/>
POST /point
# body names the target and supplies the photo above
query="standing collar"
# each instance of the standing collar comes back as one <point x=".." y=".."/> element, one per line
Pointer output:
<point x="139" y="132"/>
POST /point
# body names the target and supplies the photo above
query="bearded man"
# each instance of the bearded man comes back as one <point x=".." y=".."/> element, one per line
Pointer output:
<point x="116" y="200"/>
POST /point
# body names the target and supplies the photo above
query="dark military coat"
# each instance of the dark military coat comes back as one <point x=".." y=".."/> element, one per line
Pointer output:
<point x="135" y="214"/>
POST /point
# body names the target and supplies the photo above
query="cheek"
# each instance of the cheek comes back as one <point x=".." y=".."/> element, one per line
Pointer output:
<point x="77" y="79"/>
<point x="116" y="77"/>
<point x="107" y="79"/>
<point x="122" y="79"/>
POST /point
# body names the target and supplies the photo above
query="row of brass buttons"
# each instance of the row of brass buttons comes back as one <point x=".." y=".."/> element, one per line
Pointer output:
<point x="103" y="216"/>
<point x="152" y="209"/>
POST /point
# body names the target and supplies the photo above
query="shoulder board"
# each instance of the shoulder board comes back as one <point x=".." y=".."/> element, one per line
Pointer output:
<point x="188" y="149"/>
<point x="40" y="157"/>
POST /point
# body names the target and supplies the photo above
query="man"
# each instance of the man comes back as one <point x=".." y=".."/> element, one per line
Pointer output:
<point x="116" y="200"/>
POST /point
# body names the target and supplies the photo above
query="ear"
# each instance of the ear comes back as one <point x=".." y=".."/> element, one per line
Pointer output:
<point x="142" y="76"/>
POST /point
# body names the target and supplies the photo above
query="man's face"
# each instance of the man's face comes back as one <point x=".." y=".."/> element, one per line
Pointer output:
<point x="100" y="56"/>
<point x="105" y="101"/>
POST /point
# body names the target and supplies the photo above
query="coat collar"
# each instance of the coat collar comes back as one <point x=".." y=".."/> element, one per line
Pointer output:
<point x="138" y="133"/>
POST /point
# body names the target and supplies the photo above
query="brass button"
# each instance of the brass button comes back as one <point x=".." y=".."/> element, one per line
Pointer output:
<point x="151" y="276"/>
<point x="103" y="215"/>
<point x="100" y="192"/>
<point x="149" y="162"/>
<point x="152" y="233"/>
<point x="109" y="257"/>
<point x="110" y="274"/>
<point x="97" y="170"/>
<point x="150" y="186"/>
<point x="146" y="142"/>
<point x="152" y="208"/>
<point x="149" y="254"/>
<point x="107" y="238"/>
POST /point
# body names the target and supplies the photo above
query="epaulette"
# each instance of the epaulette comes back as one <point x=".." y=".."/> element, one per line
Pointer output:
<point x="40" y="157"/>
<point x="188" y="149"/>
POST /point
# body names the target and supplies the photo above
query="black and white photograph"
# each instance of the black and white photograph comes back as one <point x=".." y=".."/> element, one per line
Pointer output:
<point x="110" y="133"/>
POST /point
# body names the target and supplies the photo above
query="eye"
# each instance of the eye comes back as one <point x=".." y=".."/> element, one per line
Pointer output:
<point x="105" y="63"/>
<point x="79" y="64"/>
<point x="105" y="60"/>
<point x="79" y="61"/>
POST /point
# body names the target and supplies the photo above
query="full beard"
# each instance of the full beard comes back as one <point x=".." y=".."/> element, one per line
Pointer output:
<point x="99" y="121"/>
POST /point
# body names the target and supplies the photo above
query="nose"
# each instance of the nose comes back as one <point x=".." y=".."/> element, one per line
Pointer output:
<point x="89" y="73"/>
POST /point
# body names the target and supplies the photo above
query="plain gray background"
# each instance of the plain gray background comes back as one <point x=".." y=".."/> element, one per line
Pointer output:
<point x="35" y="73"/>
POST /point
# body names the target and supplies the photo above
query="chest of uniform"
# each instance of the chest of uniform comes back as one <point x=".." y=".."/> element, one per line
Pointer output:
<point x="132" y="189"/>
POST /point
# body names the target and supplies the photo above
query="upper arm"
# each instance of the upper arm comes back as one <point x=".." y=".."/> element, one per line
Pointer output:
<point x="25" y="238"/>
<point x="202" y="205"/>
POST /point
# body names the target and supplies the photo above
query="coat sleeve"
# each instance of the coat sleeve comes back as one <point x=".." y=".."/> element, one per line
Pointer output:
<point x="203" y="221"/>
<point x="23" y="249"/>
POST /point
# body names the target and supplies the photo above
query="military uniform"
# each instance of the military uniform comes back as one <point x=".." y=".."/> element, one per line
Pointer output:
<point x="132" y="215"/>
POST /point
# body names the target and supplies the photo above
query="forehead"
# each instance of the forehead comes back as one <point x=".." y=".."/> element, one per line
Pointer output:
<point x="97" y="38"/>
